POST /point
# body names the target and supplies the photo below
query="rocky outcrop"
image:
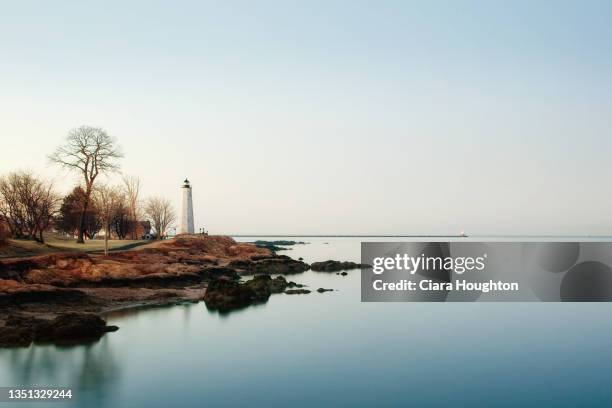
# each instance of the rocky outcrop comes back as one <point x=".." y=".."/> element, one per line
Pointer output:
<point x="225" y="295"/>
<point x="278" y="245"/>
<point x="16" y="294"/>
<point x="184" y="260"/>
<point x="278" y="242"/>
<point x="323" y="290"/>
<point x="69" y="328"/>
<point x="335" y="266"/>
<point x="47" y="287"/>
<point x="272" y="265"/>
<point x="297" y="292"/>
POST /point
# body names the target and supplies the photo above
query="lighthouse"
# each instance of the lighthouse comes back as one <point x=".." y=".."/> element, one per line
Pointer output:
<point x="186" y="210"/>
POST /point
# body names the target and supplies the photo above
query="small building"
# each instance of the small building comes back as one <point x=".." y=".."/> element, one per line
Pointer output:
<point x="143" y="229"/>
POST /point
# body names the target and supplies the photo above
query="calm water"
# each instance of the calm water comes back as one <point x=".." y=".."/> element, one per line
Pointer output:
<point x="330" y="349"/>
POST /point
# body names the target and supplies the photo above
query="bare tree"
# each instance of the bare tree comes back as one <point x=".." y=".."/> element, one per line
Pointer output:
<point x="131" y="185"/>
<point x="89" y="151"/>
<point x="107" y="200"/>
<point x="161" y="214"/>
<point x="27" y="205"/>
<point x="11" y="210"/>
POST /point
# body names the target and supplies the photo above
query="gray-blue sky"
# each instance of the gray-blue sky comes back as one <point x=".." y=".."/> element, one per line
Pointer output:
<point x="329" y="117"/>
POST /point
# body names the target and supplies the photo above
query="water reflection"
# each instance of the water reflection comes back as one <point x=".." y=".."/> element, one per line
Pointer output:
<point x="332" y="350"/>
<point x="91" y="369"/>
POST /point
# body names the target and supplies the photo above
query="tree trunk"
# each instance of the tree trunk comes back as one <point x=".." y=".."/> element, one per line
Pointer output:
<point x="81" y="237"/>
<point x="106" y="239"/>
<point x="133" y="224"/>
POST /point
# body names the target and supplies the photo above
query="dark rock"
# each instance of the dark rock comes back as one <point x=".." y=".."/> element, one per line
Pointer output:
<point x="322" y="290"/>
<point x="297" y="291"/>
<point x="274" y="246"/>
<point x="279" y="284"/>
<point x="271" y="247"/>
<point x="216" y="272"/>
<point x="295" y="285"/>
<point x="343" y="273"/>
<point x="44" y="294"/>
<point x="225" y="295"/>
<point x="68" y="328"/>
<point x="281" y="265"/>
<point x="334" y="266"/>
<point x="16" y="336"/>
<point x="278" y="242"/>
<point x="72" y="328"/>
<point x="261" y="285"/>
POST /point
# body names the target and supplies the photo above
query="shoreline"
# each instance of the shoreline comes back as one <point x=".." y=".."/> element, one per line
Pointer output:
<point x="37" y="291"/>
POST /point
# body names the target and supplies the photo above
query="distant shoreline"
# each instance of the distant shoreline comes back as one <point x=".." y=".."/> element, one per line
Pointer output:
<point x="342" y="236"/>
<point x="590" y="236"/>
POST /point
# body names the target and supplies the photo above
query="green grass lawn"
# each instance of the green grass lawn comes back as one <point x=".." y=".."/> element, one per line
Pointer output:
<point x="56" y="243"/>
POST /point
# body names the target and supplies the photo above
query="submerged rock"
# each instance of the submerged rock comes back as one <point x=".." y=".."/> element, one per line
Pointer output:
<point x="334" y="266"/>
<point x="323" y="290"/>
<point x="297" y="291"/>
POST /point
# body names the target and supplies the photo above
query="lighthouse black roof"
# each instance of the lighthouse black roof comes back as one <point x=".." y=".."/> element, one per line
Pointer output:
<point x="186" y="183"/>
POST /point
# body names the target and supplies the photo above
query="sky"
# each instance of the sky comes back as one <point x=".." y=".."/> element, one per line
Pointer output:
<point x="327" y="117"/>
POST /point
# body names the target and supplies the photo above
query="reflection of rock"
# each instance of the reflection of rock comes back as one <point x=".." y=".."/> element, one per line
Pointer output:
<point x="323" y="290"/>
<point x="92" y="370"/>
<point x="68" y="328"/>
<point x="225" y="295"/>
<point x="334" y="266"/>
<point x="297" y="291"/>
<point x="587" y="282"/>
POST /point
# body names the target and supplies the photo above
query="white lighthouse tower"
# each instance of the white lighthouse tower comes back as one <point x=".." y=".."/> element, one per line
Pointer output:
<point x="186" y="210"/>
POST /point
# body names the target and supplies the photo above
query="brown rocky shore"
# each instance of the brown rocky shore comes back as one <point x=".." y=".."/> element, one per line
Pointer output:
<point x="59" y="297"/>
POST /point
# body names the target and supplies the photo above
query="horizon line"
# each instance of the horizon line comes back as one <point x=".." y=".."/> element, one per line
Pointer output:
<point x="425" y="235"/>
